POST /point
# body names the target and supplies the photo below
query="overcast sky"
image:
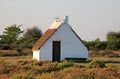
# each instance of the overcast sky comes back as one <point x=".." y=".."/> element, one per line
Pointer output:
<point x="90" y="19"/>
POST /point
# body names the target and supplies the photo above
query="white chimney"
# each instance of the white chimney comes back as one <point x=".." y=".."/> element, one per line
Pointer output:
<point x="66" y="19"/>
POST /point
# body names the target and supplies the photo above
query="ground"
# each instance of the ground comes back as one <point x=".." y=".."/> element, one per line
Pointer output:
<point x="25" y="68"/>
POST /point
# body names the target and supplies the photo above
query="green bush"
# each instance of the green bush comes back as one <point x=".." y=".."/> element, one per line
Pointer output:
<point x="96" y="64"/>
<point x="114" y="44"/>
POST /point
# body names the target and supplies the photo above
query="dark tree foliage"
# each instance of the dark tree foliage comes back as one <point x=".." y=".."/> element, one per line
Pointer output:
<point x="93" y="45"/>
<point x="113" y="36"/>
<point x="31" y="36"/>
<point x="14" y="39"/>
<point x="33" y="32"/>
<point x="114" y="45"/>
<point x="11" y="34"/>
<point x="113" y="39"/>
<point x="101" y="45"/>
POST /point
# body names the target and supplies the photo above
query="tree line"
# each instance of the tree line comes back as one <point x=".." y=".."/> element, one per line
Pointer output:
<point x="112" y="42"/>
<point x="15" y="38"/>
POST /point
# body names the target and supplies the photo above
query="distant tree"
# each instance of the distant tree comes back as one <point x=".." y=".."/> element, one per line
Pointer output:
<point x="100" y="45"/>
<point x="89" y="45"/>
<point x="31" y="36"/>
<point x="114" y="44"/>
<point x="33" y="32"/>
<point x="97" y="40"/>
<point x="96" y="44"/>
<point x="113" y="39"/>
<point x="113" y="36"/>
<point x="11" y="34"/>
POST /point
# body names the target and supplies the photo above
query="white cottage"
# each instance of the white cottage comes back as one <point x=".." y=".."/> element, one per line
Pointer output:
<point x="58" y="43"/>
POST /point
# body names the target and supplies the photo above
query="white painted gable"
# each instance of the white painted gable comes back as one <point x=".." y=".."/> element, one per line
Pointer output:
<point x="71" y="45"/>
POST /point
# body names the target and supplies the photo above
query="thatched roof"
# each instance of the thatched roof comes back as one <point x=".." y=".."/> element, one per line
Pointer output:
<point x="47" y="35"/>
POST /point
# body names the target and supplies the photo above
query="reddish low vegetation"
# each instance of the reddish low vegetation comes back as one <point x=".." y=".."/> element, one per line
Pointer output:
<point x="25" y="68"/>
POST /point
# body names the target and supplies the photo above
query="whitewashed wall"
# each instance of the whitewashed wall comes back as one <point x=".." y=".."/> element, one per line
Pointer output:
<point x="36" y="55"/>
<point x="70" y="45"/>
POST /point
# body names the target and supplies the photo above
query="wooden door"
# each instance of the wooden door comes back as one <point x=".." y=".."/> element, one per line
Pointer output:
<point x="56" y="51"/>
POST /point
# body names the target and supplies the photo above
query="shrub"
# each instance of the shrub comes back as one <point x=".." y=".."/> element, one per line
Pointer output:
<point x="79" y="66"/>
<point x="46" y="67"/>
<point x="96" y="63"/>
<point x="39" y="63"/>
<point x="65" y="64"/>
<point x="6" y="68"/>
<point x="34" y="62"/>
<point x="4" y="71"/>
<point x="22" y="62"/>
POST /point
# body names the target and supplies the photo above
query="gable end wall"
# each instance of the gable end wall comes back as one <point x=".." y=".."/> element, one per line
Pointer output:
<point x="71" y="46"/>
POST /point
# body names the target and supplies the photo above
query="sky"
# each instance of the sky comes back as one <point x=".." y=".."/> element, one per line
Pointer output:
<point x="90" y="19"/>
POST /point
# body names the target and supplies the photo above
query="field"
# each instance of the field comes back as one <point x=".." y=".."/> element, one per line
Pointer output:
<point x="25" y="68"/>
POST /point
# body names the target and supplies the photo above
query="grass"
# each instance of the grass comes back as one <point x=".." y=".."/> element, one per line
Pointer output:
<point x="25" y="68"/>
